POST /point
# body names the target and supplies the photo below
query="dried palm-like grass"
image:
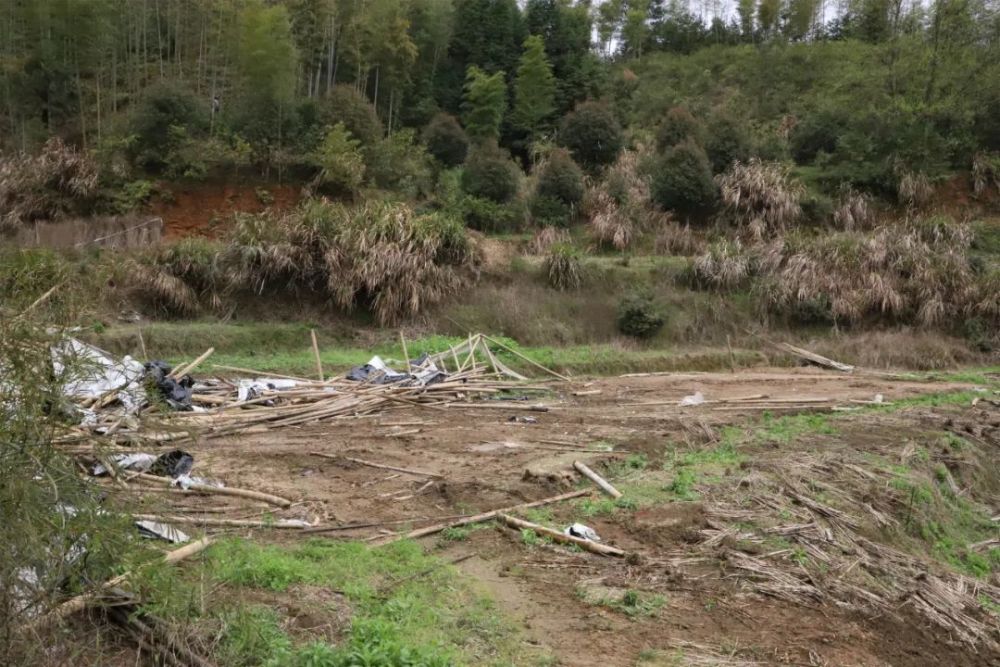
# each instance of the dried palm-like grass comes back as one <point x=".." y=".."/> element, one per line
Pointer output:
<point x="163" y="289"/>
<point x="914" y="189"/>
<point x="563" y="268"/>
<point x="545" y="238"/>
<point x="854" y="210"/>
<point x="759" y="197"/>
<point x="673" y="239"/>
<point x="726" y="265"/>
<point x="985" y="172"/>
<point x="44" y="186"/>
<point x="620" y="208"/>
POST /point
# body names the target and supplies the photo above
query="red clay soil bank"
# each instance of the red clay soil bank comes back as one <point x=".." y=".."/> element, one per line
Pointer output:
<point x="206" y="209"/>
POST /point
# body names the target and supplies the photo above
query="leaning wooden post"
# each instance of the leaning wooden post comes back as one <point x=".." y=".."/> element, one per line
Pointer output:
<point x="319" y="363"/>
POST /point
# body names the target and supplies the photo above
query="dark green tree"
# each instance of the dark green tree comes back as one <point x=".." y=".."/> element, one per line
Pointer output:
<point x="592" y="134"/>
<point x="534" y="89"/>
<point x="484" y="104"/>
<point x="446" y="140"/>
<point x="682" y="180"/>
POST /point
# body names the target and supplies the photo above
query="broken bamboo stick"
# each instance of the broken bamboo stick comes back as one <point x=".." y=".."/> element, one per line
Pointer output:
<point x="530" y="361"/>
<point x="410" y="471"/>
<point x="220" y="491"/>
<point x="594" y="547"/>
<point x="597" y="479"/>
<point x="319" y="363"/>
<point x="485" y="516"/>
<point x="186" y="369"/>
<point x="80" y="602"/>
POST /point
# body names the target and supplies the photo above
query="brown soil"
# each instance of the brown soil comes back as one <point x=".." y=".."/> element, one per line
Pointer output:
<point x="206" y="209"/>
<point x="482" y="457"/>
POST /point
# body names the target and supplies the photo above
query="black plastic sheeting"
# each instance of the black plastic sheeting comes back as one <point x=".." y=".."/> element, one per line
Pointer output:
<point x="177" y="393"/>
<point x="176" y="463"/>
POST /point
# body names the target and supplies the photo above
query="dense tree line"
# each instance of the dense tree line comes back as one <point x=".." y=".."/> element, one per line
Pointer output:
<point x="860" y="90"/>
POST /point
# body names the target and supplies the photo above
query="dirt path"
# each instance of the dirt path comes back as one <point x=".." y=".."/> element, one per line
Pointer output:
<point x="492" y="458"/>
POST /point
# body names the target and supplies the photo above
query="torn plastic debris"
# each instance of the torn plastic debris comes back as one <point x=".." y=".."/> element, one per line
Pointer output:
<point x="518" y="419"/>
<point x="175" y="463"/>
<point x="248" y="390"/>
<point x="176" y="392"/>
<point x="583" y="532"/>
<point x="137" y="462"/>
<point x="163" y="531"/>
<point x="376" y="371"/>
<point x="696" y="398"/>
<point x="89" y="372"/>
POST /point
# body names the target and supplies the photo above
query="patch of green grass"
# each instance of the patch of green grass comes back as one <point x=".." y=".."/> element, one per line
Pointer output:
<point x="682" y="484"/>
<point x="632" y="603"/>
<point x="783" y="430"/>
<point x="408" y="607"/>
<point x="461" y="533"/>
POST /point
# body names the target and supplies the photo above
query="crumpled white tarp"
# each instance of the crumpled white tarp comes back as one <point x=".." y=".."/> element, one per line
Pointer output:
<point x="138" y="462"/>
<point x="90" y="372"/>
<point x="247" y="390"/>
<point x="696" y="398"/>
<point x="583" y="532"/>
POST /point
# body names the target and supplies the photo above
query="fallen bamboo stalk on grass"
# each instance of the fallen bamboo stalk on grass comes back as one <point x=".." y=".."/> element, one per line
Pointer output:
<point x="80" y="602"/>
<point x="219" y="491"/>
<point x="181" y="371"/>
<point x="410" y="471"/>
<point x="485" y="516"/>
<point x="597" y="479"/>
<point x="556" y="536"/>
<point x="221" y="523"/>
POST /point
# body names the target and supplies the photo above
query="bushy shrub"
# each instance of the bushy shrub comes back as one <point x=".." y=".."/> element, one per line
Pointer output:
<point x="346" y="105"/>
<point x="550" y="212"/>
<point x="562" y="266"/>
<point x="166" y="115"/>
<point x="639" y="316"/>
<point x="727" y="140"/>
<point x="682" y="180"/>
<point x="592" y="134"/>
<point x="341" y="165"/>
<point x="560" y="178"/>
<point x="673" y="239"/>
<point x="678" y="125"/>
<point x="400" y="163"/>
<point x="446" y="140"/>
<point x="545" y="238"/>
<point x="487" y="215"/>
<point x="490" y="174"/>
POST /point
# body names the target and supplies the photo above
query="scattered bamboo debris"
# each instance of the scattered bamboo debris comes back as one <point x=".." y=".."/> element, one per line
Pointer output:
<point x="485" y="516"/>
<point x="218" y="407"/>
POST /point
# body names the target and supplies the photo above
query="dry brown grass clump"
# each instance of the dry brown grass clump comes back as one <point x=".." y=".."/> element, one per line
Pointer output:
<point x="917" y="271"/>
<point x="725" y="265"/>
<point x="914" y="189"/>
<point x="379" y="256"/>
<point x="985" y="172"/>
<point x="620" y="208"/>
<point x="563" y="268"/>
<point x="854" y="210"/>
<point x="759" y="197"/>
<point x="673" y="239"/>
<point x="44" y="186"/>
<point x="545" y="238"/>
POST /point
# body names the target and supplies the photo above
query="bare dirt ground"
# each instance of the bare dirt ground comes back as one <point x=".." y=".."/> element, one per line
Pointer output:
<point x="688" y="551"/>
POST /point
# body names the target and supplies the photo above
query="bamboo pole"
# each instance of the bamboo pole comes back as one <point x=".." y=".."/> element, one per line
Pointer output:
<point x="220" y="491"/>
<point x="598" y="480"/>
<point x="319" y="364"/>
<point x="595" y="547"/>
<point x="224" y="523"/>
<point x="485" y="516"/>
<point x="530" y="361"/>
<point x="185" y="370"/>
<point x="409" y="471"/>
<point x="406" y="354"/>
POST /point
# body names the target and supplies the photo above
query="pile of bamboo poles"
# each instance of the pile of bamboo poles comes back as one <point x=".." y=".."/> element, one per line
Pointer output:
<point x="470" y="370"/>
